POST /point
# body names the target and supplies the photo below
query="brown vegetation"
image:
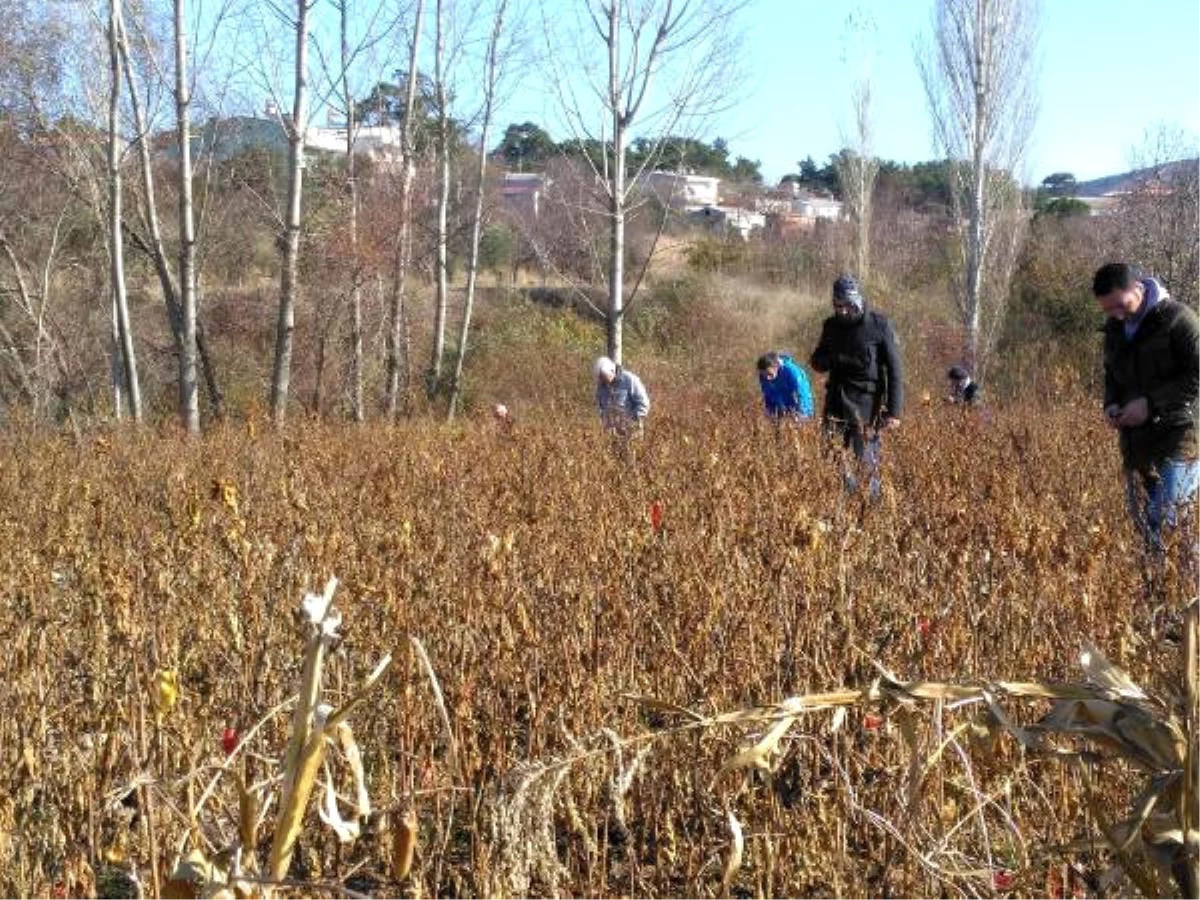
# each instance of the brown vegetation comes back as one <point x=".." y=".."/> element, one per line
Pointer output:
<point x="530" y="565"/>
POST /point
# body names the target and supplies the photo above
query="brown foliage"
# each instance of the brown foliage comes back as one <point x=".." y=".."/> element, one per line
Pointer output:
<point x="527" y="563"/>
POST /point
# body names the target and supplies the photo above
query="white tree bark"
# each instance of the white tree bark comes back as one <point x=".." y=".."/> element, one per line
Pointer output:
<point x="443" y="157"/>
<point x="980" y="80"/>
<point x="398" y="345"/>
<point x="154" y="247"/>
<point x="490" y="81"/>
<point x="616" y="191"/>
<point x="189" y="395"/>
<point x="127" y="368"/>
<point x="289" y="287"/>
<point x="356" y="316"/>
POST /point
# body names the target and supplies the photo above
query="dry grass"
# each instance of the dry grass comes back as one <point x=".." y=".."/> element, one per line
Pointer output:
<point x="527" y="566"/>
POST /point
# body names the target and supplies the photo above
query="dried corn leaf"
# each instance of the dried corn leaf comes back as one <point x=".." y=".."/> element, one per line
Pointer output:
<point x="759" y="755"/>
<point x="1153" y="743"/>
<point x="737" y="845"/>
<point x="315" y="607"/>
<point x="346" y="830"/>
<point x="362" y="801"/>
<point x="404" y="845"/>
<point x="247" y="815"/>
<point x="1099" y="670"/>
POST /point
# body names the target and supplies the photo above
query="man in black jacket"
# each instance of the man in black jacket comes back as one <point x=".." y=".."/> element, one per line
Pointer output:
<point x="1151" y="375"/>
<point x="864" y="394"/>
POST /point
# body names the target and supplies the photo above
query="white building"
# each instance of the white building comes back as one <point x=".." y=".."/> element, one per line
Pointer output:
<point x="522" y="191"/>
<point x="680" y="189"/>
<point x="817" y="208"/>
<point x="728" y="220"/>
<point x="379" y="141"/>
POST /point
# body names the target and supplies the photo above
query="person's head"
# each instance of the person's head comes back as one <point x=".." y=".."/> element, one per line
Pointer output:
<point x="958" y="376"/>
<point x="768" y="365"/>
<point x="848" y="300"/>
<point x="605" y="370"/>
<point x="1119" y="290"/>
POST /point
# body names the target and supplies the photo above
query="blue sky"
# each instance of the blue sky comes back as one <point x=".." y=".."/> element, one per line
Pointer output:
<point x="1110" y="70"/>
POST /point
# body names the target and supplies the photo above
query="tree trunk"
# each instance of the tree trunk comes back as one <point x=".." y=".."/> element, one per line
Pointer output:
<point x="976" y="228"/>
<point x="616" y="264"/>
<point x="477" y="220"/>
<point x="189" y="396"/>
<point x="289" y="275"/>
<point x="156" y="251"/>
<point x="398" y="355"/>
<point x="443" y="151"/>
<point x="124" y="337"/>
<point x="114" y="365"/>
<point x="356" y="324"/>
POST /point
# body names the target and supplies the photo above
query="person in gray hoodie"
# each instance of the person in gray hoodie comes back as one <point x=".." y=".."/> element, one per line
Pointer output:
<point x="621" y="398"/>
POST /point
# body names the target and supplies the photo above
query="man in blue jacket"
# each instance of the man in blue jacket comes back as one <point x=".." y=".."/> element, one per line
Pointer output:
<point x="621" y="398"/>
<point x="785" y="388"/>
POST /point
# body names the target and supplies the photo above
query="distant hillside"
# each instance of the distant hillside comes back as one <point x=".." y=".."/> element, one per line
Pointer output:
<point x="1098" y="187"/>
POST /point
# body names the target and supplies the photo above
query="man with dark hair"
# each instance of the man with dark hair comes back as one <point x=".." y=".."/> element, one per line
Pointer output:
<point x="864" y="393"/>
<point x="1151" y="376"/>
<point x="785" y="388"/>
<point x="963" y="389"/>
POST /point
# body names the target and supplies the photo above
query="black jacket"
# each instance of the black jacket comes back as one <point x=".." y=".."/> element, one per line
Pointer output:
<point x="1162" y="364"/>
<point x="865" y="376"/>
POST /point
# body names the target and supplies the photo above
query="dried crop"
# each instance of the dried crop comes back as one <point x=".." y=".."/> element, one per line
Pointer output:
<point x="534" y="586"/>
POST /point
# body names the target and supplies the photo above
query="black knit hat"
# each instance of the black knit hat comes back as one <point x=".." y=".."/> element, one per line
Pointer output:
<point x="846" y="291"/>
<point x="958" y="373"/>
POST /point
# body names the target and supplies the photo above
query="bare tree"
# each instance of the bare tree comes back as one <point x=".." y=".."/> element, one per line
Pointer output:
<point x="1158" y="215"/>
<point x="176" y="298"/>
<point x="398" y="354"/>
<point x="356" y="320"/>
<point x="441" y="90"/>
<point x="189" y="398"/>
<point x="857" y="165"/>
<point x="289" y="279"/>
<point x="362" y="30"/>
<point x="126" y="369"/>
<point x="660" y="62"/>
<point x="53" y="167"/>
<point x="980" y="74"/>
<point x="491" y="79"/>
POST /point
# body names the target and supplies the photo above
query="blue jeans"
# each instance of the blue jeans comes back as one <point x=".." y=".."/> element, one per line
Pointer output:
<point x="1157" y="499"/>
<point x="868" y="453"/>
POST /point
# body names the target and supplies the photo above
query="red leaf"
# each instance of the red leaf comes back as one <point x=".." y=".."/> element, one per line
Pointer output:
<point x="1003" y="880"/>
<point x="872" y="722"/>
<point x="229" y="740"/>
<point x="924" y="628"/>
<point x="656" y="516"/>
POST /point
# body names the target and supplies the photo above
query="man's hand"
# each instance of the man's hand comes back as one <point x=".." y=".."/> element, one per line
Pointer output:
<point x="1134" y="413"/>
<point x="890" y="422"/>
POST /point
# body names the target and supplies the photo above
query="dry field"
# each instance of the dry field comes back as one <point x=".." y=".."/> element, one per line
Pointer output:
<point x="586" y="615"/>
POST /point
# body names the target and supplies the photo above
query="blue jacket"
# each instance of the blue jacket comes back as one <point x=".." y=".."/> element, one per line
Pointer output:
<point x="623" y="401"/>
<point x="789" y="393"/>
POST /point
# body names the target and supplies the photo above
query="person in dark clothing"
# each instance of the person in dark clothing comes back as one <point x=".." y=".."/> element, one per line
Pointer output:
<point x="963" y="389"/>
<point x="864" y="394"/>
<point x="1151" y="377"/>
